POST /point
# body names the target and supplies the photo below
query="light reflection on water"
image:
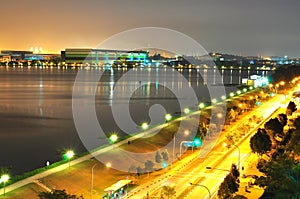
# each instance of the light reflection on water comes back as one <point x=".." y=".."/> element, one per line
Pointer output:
<point x="36" y="113"/>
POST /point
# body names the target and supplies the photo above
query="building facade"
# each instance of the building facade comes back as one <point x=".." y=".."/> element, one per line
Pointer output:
<point x="101" y="57"/>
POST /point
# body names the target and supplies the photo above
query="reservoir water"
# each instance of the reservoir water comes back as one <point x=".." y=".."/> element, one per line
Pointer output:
<point x="36" y="122"/>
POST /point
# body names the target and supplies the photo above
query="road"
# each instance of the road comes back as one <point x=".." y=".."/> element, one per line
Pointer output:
<point x="193" y="169"/>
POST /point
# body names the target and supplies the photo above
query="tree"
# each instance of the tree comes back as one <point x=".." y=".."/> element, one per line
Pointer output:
<point x="165" y="155"/>
<point x="57" y="194"/>
<point x="169" y="191"/>
<point x="273" y="127"/>
<point x="291" y="108"/>
<point x="158" y="157"/>
<point x="296" y="123"/>
<point x="281" y="178"/>
<point x="260" y="143"/>
<point x="232" y="115"/>
<point x="149" y="166"/>
<point x="228" y="187"/>
<point x="282" y="118"/>
<point x="294" y="143"/>
<point x="132" y="169"/>
<point x="234" y="171"/>
<point x="139" y="171"/>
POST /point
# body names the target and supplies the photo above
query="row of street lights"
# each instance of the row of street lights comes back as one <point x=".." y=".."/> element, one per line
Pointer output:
<point x="168" y="117"/>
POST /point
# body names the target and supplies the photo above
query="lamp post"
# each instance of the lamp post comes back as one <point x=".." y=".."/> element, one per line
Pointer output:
<point x="186" y="133"/>
<point x="4" y="178"/>
<point x="239" y="157"/>
<point x="69" y="154"/>
<point x="173" y="151"/>
<point x="184" y="142"/>
<point x="92" y="180"/>
<point x="200" y="185"/>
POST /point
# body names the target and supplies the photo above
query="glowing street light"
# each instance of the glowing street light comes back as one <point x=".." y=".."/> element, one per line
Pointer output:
<point x="219" y="115"/>
<point x="201" y="105"/>
<point x="186" y="132"/>
<point x="238" y="92"/>
<point x="108" y="164"/>
<point x="245" y="90"/>
<point x="197" y="142"/>
<point x="4" y="178"/>
<point x="145" y="126"/>
<point x="214" y="101"/>
<point x="231" y="94"/>
<point x="69" y="155"/>
<point x="223" y="97"/>
<point x="113" y="138"/>
<point x="168" y="117"/>
<point x="186" y="111"/>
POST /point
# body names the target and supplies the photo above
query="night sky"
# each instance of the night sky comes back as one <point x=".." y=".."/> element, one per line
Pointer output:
<point x="264" y="27"/>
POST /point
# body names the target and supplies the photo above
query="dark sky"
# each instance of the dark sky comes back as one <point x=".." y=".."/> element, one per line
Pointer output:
<point x="265" y="27"/>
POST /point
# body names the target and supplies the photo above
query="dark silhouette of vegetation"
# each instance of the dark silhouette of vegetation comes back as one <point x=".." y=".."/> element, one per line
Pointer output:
<point x="57" y="194"/>
<point x="260" y="143"/>
<point x="291" y="108"/>
<point x="282" y="118"/>
<point x="273" y="127"/>
<point x="158" y="157"/>
<point x="228" y="187"/>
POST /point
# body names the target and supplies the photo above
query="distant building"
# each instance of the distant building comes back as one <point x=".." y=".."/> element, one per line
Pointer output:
<point x="280" y="60"/>
<point x="101" y="57"/>
<point x="15" y="55"/>
<point x="42" y="57"/>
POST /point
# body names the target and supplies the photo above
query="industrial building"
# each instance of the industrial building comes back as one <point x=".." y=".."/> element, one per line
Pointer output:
<point x="101" y="57"/>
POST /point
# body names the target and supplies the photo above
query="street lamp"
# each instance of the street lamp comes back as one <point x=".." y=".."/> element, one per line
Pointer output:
<point x="201" y="105"/>
<point x="113" y="138"/>
<point x="4" y="178"/>
<point x="92" y="180"/>
<point x="211" y="168"/>
<point x="186" y="110"/>
<point x="239" y="157"/>
<point x="69" y="155"/>
<point x="168" y="117"/>
<point x="145" y="126"/>
<point x="239" y="160"/>
<point x="200" y="185"/>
